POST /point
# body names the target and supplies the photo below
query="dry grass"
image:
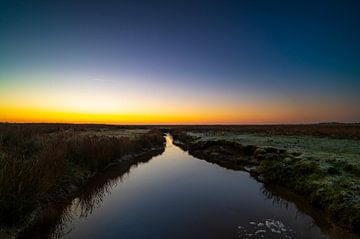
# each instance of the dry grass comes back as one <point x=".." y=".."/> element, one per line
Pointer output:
<point x="331" y="130"/>
<point x="128" y="133"/>
<point x="38" y="163"/>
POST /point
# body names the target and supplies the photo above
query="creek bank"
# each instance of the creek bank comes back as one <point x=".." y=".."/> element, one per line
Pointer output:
<point x="52" y="217"/>
<point x="305" y="176"/>
<point x="83" y="158"/>
<point x="228" y="154"/>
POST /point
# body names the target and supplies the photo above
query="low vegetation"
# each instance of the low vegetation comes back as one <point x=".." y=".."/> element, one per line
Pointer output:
<point x="329" y="130"/>
<point x="41" y="163"/>
<point x="325" y="169"/>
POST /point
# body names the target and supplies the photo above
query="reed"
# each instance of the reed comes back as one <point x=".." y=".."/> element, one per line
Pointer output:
<point x="39" y="163"/>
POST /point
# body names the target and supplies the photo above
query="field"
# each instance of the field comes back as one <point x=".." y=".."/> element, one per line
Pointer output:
<point x="320" y="162"/>
<point x="323" y="150"/>
<point x="46" y="163"/>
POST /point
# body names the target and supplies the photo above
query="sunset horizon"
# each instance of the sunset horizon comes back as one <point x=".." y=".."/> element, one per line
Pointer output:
<point x="179" y="119"/>
<point x="179" y="63"/>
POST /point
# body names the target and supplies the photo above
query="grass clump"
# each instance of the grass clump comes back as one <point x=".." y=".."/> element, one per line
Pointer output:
<point x="330" y="188"/>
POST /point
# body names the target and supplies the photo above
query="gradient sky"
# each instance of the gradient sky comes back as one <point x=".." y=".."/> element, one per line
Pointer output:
<point x="180" y="61"/>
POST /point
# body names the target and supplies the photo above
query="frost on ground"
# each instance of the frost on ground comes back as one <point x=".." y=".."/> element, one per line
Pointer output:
<point x="320" y="148"/>
<point x="324" y="170"/>
<point x="269" y="228"/>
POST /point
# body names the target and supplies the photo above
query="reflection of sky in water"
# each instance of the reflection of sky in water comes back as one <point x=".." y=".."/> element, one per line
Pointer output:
<point x="177" y="196"/>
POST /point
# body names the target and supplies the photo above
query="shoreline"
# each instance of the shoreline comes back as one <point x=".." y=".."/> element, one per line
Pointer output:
<point x="71" y="184"/>
<point x="60" y="207"/>
<point x="260" y="162"/>
<point x="126" y="161"/>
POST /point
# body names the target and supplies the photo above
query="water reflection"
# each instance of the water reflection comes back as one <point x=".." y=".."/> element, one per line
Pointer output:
<point x="285" y="198"/>
<point x="55" y="223"/>
<point x="175" y="195"/>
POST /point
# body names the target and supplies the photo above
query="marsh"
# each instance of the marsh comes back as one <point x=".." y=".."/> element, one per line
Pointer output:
<point x="174" y="195"/>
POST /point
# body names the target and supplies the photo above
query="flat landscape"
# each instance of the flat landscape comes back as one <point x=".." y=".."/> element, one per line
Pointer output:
<point x="179" y="119"/>
<point x="56" y="162"/>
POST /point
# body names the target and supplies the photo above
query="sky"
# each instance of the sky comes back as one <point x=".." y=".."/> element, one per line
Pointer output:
<point x="180" y="62"/>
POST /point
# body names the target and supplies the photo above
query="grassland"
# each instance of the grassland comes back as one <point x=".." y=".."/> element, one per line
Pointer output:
<point x="325" y="168"/>
<point x="45" y="163"/>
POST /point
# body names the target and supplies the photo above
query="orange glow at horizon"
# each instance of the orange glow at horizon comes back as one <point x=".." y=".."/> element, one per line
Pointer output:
<point x="219" y="116"/>
<point x="98" y="102"/>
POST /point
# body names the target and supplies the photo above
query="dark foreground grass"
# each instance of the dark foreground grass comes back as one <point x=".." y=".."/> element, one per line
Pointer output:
<point x="42" y="164"/>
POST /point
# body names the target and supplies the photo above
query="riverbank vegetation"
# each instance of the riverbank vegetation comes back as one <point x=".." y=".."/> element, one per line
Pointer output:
<point x="42" y="163"/>
<point x="46" y="163"/>
<point x="324" y="167"/>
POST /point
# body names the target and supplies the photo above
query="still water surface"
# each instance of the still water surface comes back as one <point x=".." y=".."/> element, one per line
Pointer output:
<point x="175" y="195"/>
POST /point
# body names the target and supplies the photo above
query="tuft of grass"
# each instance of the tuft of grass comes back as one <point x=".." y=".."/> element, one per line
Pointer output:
<point x="331" y="189"/>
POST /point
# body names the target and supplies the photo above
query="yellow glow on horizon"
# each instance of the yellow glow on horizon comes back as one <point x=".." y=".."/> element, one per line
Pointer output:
<point x="26" y="115"/>
<point x="101" y="103"/>
<point x="191" y="116"/>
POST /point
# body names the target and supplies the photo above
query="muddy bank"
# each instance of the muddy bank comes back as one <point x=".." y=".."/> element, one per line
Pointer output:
<point x="273" y="166"/>
<point x="228" y="154"/>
